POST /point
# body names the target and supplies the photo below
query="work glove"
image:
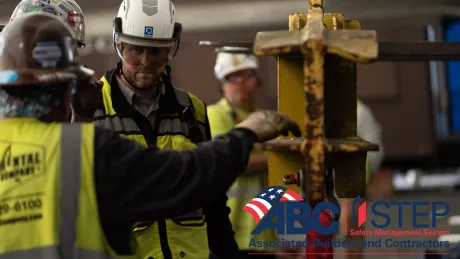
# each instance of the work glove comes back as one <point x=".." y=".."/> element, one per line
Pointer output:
<point x="269" y="125"/>
<point x="88" y="97"/>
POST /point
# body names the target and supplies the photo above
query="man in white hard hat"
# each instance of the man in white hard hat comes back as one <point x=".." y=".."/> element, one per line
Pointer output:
<point x="140" y="103"/>
<point x="238" y="74"/>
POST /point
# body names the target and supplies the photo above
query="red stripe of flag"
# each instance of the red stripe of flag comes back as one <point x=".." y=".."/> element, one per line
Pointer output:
<point x="259" y="205"/>
<point x="362" y="214"/>
<point x="253" y="213"/>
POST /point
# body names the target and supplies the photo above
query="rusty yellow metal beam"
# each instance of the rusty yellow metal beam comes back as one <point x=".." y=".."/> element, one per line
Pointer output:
<point x="321" y="50"/>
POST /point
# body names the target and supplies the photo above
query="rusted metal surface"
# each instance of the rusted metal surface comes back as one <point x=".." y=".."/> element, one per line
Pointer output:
<point x="331" y="145"/>
<point x="313" y="149"/>
<point x="330" y="76"/>
<point x="356" y="45"/>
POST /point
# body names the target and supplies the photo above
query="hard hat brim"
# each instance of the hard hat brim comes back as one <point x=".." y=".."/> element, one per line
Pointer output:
<point x="236" y="69"/>
<point x="146" y="42"/>
<point x="41" y="77"/>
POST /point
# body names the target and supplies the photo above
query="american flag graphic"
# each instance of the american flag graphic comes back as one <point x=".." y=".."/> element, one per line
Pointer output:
<point x="262" y="203"/>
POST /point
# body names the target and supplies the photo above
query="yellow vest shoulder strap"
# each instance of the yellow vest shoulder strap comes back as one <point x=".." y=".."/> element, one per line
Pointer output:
<point x="106" y="95"/>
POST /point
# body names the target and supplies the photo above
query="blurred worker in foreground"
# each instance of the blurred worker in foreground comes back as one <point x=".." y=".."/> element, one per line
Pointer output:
<point x="140" y="102"/>
<point x="70" y="13"/>
<point x="68" y="190"/>
<point x="240" y="84"/>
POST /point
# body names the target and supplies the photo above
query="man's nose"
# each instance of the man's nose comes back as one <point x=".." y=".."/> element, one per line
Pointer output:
<point x="147" y="58"/>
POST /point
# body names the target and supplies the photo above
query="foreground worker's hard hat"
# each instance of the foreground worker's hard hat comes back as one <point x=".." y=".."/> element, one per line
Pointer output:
<point x="147" y="23"/>
<point x="227" y="63"/>
<point x="38" y="49"/>
<point x="67" y="10"/>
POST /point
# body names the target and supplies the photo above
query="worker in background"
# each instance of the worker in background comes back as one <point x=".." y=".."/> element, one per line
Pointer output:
<point x="71" y="14"/>
<point x="370" y="129"/>
<point x="67" y="190"/>
<point x="140" y="102"/>
<point x="240" y="85"/>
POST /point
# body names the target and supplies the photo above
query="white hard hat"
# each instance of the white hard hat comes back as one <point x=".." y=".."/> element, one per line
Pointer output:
<point x="66" y="10"/>
<point x="150" y="23"/>
<point x="227" y="63"/>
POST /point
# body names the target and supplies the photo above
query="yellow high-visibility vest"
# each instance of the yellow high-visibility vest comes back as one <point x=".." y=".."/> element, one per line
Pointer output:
<point x="48" y="205"/>
<point x="180" y="237"/>
<point x="222" y="119"/>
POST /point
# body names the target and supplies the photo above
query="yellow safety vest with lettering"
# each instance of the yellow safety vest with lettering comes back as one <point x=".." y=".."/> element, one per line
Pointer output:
<point x="179" y="237"/>
<point x="222" y="119"/>
<point x="48" y="205"/>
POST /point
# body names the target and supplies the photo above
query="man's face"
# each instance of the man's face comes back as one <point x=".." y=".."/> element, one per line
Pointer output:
<point x="143" y="66"/>
<point x="241" y="86"/>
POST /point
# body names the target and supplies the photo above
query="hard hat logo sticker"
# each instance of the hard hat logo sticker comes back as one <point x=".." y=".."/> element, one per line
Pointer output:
<point x="148" y="31"/>
<point x="47" y="54"/>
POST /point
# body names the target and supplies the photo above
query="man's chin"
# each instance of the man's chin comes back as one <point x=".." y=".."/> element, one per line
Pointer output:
<point x="145" y="84"/>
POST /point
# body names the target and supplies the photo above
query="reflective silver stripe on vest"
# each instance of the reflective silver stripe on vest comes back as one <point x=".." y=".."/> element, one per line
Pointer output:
<point x="243" y="192"/>
<point x="51" y="252"/>
<point x="169" y="125"/>
<point x="118" y="124"/>
<point x="70" y="187"/>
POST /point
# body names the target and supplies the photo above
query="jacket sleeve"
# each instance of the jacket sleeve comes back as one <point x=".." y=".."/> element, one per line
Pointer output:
<point x="221" y="237"/>
<point x="140" y="184"/>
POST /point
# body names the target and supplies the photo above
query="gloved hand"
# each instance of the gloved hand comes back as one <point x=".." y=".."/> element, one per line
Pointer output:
<point x="88" y="97"/>
<point x="269" y="125"/>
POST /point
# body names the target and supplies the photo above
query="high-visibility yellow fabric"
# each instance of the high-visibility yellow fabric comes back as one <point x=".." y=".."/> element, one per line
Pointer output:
<point x="245" y="188"/>
<point x="35" y="167"/>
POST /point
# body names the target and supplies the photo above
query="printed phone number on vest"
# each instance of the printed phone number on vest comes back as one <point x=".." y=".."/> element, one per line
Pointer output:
<point x="21" y="206"/>
<point x="19" y="164"/>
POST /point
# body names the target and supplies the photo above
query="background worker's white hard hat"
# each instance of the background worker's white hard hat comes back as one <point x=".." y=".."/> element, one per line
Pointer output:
<point x="227" y="63"/>
<point x="150" y="23"/>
